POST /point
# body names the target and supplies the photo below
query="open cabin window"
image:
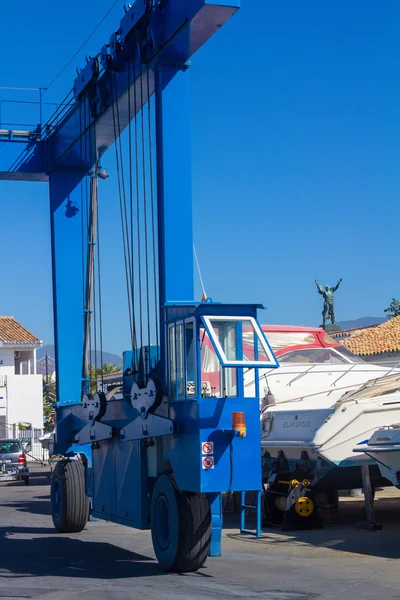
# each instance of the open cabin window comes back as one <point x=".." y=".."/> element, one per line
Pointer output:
<point x="239" y="342"/>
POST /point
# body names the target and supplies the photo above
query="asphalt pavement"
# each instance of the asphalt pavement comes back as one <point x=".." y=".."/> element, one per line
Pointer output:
<point x="108" y="561"/>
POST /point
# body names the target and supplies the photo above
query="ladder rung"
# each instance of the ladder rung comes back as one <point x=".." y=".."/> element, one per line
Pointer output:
<point x="247" y="531"/>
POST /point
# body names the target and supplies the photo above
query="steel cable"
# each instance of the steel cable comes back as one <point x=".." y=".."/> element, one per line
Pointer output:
<point x="134" y="341"/>
<point x="145" y="214"/>
<point x="122" y="215"/>
<point x="83" y="209"/>
<point x="94" y="313"/>
<point x="152" y="200"/>
<point x="122" y="175"/>
<point x="138" y="206"/>
<point x="89" y="370"/>
<point x="125" y="220"/>
<point x="100" y="303"/>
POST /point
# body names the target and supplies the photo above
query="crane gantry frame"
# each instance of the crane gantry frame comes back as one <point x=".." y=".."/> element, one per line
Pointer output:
<point x="161" y="456"/>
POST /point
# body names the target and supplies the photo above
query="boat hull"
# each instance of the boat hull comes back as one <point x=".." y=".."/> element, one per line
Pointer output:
<point x="316" y="442"/>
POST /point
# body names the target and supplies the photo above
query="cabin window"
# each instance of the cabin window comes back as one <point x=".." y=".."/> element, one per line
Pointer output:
<point x="182" y="364"/>
<point x="239" y="342"/>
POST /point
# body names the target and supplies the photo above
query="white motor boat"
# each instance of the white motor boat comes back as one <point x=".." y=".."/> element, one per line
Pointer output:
<point x="310" y="423"/>
<point x="384" y="448"/>
<point x="312" y="365"/>
<point x="314" y="438"/>
<point x="312" y="416"/>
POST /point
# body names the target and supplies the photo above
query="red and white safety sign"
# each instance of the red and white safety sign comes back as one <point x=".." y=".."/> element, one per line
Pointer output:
<point x="208" y="462"/>
<point x="207" y="448"/>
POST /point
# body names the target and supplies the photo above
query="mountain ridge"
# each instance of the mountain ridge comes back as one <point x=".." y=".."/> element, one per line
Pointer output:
<point x="95" y="358"/>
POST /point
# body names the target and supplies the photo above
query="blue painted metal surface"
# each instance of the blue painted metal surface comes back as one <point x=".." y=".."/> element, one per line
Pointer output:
<point x="174" y="206"/>
<point x="192" y="432"/>
<point x="236" y="460"/>
<point x="86" y="76"/>
<point x="188" y="28"/>
<point x="134" y="13"/>
<point x="178" y="29"/>
<point x="66" y="234"/>
<point x="216" y="521"/>
<point x="237" y="464"/>
<point x="120" y="486"/>
<point x="245" y="508"/>
<point x="175" y="189"/>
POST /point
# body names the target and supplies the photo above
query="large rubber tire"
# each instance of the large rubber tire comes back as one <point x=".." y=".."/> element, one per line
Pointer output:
<point x="180" y="526"/>
<point x="70" y="505"/>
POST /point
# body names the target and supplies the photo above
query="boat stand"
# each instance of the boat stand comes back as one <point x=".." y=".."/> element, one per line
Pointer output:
<point x="370" y="524"/>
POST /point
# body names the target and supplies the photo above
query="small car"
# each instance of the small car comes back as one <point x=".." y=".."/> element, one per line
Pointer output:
<point x="13" y="465"/>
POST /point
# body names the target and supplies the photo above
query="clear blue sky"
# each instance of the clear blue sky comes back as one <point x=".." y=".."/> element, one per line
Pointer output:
<point x="296" y="148"/>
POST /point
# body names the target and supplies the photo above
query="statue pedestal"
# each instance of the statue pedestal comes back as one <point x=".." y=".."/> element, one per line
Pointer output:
<point x="329" y="328"/>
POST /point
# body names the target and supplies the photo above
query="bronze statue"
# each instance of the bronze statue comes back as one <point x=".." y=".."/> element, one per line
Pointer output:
<point x="329" y="309"/>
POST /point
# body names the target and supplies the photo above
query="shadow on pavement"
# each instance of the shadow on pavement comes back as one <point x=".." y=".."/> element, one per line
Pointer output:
<point x="343" y="535"/>
<point x="37" y="478"/>
<point x="35" y="507"/>
<point x="68" y="557"/>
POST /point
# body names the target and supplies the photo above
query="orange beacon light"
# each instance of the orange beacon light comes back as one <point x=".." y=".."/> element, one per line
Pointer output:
<point x="239" y="423"/>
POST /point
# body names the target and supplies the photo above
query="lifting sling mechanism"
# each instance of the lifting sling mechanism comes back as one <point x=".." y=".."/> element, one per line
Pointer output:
<point x="161" y="455"/>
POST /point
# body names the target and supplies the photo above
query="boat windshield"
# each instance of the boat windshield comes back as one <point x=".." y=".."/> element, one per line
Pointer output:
<point x="342" y="349"/>
<point x="375" y="387"/>
<point x="285" y="340"/>
<point x="349" y="355"/>
<point x="319" y="356"/>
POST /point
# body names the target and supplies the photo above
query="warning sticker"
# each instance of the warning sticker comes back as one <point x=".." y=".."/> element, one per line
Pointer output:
<point x="208" y="462"/>
<point x="207" y="448"/>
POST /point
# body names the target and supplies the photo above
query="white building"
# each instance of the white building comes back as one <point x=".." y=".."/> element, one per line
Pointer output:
<point x="21" y="389"/>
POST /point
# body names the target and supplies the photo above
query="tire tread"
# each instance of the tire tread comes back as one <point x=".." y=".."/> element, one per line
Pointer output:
<point x="194" y="530"/>
<point x="74" y="509"/>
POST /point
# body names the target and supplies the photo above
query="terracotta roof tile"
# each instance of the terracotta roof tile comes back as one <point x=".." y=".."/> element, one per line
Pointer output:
<point x="12" y="332"/>
<point x="375" y="340"/>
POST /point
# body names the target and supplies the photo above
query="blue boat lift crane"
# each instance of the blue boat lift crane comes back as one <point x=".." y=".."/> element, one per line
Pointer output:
<point x="161" y="457"/>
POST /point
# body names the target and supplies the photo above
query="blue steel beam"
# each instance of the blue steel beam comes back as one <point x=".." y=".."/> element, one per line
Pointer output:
<point x="71" y="154"/>
<point x="178" y="29"/>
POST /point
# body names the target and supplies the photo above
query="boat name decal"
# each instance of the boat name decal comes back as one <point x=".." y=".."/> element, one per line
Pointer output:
<point x="297" y="424"/>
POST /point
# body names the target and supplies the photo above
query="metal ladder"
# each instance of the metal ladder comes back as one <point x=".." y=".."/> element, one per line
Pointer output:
<point x="253" y="508"/>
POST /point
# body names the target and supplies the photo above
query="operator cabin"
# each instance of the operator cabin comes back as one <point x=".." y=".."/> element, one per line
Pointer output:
<point x="20" y="387"/>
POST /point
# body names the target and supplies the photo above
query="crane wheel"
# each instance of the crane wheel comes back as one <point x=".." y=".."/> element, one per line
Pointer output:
<point x="69" y="503"/>
<point x="180" y="526"/>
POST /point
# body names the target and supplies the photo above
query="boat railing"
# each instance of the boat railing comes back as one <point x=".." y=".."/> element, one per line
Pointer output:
<point x="344" y="374"/>
<point x="319" y="393"/>
<point x="312" y="371"/>
<point x="392" y="369"/>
